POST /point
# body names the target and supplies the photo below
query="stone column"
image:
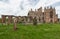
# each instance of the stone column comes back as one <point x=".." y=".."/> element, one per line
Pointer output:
<point x="3" y="19"/>
<point x="28" y="19"/>
<point x="24" y="19"/>
<point x="9" y="19"/>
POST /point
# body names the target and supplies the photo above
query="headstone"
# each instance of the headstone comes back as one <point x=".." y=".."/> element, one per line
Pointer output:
<point x="15" y="23"/>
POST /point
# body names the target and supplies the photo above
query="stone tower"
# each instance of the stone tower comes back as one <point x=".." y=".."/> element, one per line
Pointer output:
<point x="40" y="15"/>
<point x="50" y="15"/>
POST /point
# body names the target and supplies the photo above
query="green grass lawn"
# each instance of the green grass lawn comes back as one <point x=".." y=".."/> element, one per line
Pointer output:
<point x="41" y="31"/>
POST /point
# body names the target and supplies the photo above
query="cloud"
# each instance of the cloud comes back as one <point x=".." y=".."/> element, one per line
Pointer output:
<point x="56" y="4"/>
<point x="33" y="2"/>
<point x="5" y="1"/>
<point x="58" y="11"/>
<point x="21" y="7"/>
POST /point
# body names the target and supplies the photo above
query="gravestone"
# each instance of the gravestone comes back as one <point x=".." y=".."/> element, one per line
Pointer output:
<point x="15" y="23"/>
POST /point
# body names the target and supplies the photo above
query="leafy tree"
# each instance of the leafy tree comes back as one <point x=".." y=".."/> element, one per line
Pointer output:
<point x="34" y="21"/>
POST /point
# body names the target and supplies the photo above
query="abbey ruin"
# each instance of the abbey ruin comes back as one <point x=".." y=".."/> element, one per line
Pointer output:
<point x="47" y="16"/>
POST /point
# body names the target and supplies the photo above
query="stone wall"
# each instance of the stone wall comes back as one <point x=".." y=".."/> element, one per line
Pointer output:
<point x="48" y="16"/>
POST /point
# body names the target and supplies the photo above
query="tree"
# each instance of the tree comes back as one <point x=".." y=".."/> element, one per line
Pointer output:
<point x="34" y="21"/>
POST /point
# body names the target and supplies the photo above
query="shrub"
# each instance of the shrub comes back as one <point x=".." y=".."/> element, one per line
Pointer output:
<point x="34" y="21"/>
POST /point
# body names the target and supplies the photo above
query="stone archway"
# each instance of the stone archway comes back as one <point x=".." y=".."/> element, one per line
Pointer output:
<point x="7" y="18"/>
<point x="51" y="16"/>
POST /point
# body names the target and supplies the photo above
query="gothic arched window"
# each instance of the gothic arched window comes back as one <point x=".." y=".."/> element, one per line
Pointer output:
<point x="51" y="14"/>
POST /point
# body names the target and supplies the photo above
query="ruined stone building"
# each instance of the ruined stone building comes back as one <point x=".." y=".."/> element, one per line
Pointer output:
<point x="47" y="16"/>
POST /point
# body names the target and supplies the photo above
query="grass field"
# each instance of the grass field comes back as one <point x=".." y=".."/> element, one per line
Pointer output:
<point x="41" y="31"/>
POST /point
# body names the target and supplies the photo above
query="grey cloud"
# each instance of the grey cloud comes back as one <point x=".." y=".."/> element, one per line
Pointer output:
<point x="55" y="4"/>
<point x="33" y="2"/>
<point x="6" y="1"/>
<point x="21" y="5"/>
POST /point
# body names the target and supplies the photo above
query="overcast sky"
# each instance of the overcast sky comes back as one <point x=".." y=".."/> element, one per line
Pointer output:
<point x="21" y="7"/>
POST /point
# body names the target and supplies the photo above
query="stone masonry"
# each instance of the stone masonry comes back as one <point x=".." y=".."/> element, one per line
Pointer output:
<point x="48" y="15"/>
